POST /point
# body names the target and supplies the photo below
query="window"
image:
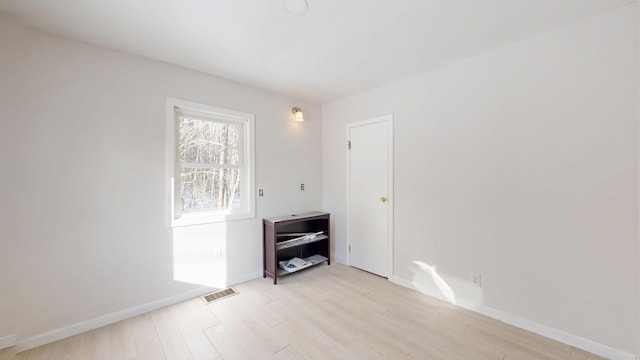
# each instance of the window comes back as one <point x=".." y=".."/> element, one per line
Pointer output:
<point x="210" y="163"/>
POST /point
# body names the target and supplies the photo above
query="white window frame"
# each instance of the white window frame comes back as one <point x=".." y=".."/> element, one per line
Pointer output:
<point x="247" y="171"/>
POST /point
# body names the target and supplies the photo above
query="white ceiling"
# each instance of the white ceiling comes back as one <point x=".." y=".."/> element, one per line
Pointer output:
<point x="340" y="47"/>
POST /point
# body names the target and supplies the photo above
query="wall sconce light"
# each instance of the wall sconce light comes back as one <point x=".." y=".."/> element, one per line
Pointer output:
<point x="297" y="113"/>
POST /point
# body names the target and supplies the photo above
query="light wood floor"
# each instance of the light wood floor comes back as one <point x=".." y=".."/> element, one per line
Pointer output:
<point x="328" y="312"/>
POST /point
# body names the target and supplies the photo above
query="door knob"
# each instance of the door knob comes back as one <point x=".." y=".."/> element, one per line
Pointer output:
<point x="383" y="199"/>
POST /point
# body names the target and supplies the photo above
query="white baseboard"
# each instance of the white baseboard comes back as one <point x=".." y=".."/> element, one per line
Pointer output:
<point x="340" y="259"/>
<point x="546" y="331"/>
<point x="7" y="341"/>
<point x="246" y="277"/>
<point x="75" y="329"/>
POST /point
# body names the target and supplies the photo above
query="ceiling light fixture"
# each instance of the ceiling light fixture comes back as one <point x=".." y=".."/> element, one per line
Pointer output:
<point x="297" y="114"/>
<point x="296" y="7"/>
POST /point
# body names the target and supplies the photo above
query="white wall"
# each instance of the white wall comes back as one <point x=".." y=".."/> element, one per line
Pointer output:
<point x="8" y="163"/>
<point x="83" y="180"/>
<point x="520" y="164"/>
<point x="638" y="137"/>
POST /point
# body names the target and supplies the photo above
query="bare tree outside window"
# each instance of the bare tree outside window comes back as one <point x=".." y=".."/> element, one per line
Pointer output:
<point x="210" y="164"/>
<point x="210" y="158"/>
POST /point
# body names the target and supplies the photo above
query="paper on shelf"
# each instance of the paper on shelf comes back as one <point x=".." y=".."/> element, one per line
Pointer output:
<point x="294" y="264"/>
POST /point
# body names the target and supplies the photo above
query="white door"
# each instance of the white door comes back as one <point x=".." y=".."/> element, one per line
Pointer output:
<point x="369" y="210"/>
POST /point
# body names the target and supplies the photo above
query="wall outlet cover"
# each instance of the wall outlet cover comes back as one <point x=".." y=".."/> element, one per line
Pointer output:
<point x="476" y="279"/>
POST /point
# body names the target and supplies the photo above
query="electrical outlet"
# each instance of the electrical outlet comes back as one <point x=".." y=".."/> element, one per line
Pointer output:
<point x="301" y="187"/>
<point x="476" y="279"/>
<point x="217" y="254"/>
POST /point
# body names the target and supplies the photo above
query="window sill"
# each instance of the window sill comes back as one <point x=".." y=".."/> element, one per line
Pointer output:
<point x="201" y="219"/>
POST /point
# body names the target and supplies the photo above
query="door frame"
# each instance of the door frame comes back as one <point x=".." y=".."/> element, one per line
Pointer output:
<point x="391" y="200"/>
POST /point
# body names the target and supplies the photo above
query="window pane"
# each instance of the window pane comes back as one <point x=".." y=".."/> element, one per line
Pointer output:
<point x="208" y="142"/>
<point x="210" y="189"/>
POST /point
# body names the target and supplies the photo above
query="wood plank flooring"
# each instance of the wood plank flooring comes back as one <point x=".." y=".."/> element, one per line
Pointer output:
<point x="328" y="312"/>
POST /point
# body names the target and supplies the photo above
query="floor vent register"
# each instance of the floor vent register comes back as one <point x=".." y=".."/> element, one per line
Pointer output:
<point x="218" y="295"/>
